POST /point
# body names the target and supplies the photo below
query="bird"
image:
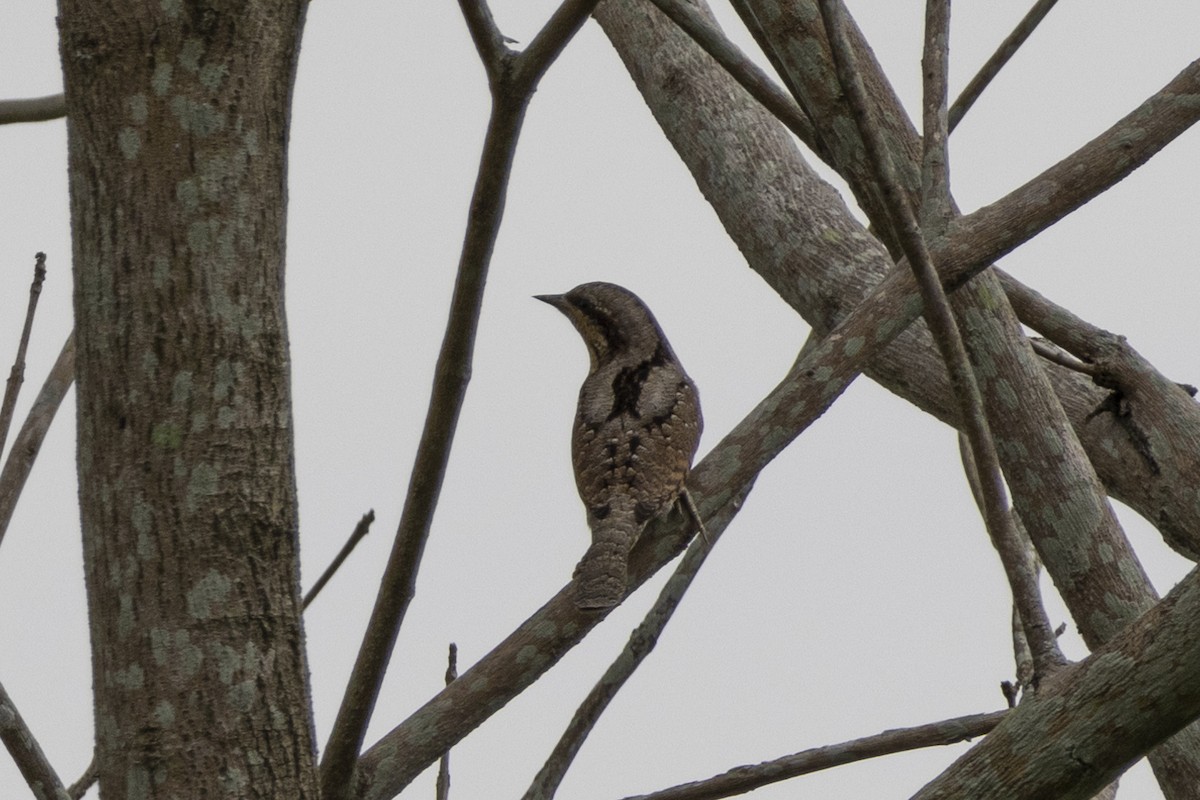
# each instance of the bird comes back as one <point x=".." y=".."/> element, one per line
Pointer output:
<point x="636" y="430"/>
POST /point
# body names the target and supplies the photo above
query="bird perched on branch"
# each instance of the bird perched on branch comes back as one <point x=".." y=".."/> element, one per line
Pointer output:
<point x="636" y="430"/>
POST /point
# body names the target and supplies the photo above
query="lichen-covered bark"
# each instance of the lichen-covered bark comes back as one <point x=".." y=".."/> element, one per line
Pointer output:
<point x="1093" y="718"/>
<point x="177" y="122"/>
<point x="817" y="258"/>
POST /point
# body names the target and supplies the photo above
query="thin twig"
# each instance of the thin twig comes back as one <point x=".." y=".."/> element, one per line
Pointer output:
<point x="511" y="89"/>
<point x="17" y="376"/>
<point x="356" y="536"/>
<point x="33" y="109"/>
<point x="991" y="69"/>
<point x="942" y="325"/>
<point x="29" y="439"/>
<point x="753" y="79"/>
<point x="535" y="646"/>
<point x="641" y="643"/>
<point x="89" y="777"/>
<point x="549" y="42"/>
<point x="1031" y="564"/>
<point x="39" y="775"/>
<point x="753" y="776"/>
<point x="442" y="791"/>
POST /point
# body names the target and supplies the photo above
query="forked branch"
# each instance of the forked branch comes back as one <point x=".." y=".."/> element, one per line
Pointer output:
<point x="513" y="79"/>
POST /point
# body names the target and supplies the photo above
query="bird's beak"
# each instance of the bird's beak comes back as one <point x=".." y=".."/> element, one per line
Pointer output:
<point x="555" y="300"/>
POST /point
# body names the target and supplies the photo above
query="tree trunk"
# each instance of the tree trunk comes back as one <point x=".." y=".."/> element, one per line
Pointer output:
<point x="177" y="122"/>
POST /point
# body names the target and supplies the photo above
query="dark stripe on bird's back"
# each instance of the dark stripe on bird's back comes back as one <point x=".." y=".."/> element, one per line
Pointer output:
<point x="627" y="388"/>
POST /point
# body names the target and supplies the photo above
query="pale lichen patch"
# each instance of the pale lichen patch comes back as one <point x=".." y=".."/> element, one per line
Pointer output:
<point x="166" y="435"/>
<point x="188" y="195"/>
<point x="208" y="595"/>
<point x="190" y="54"/>
<point x="223" y="380"/>
<point x="195" y="117"/>
<point x="181" y="388"/>
<point x="132" y="677"/>
<point x="164" y="714"/>
<point x="130" y="142"/>
<point x="201" y="485"/>
<point x="161" y="270"/>
<point x="141" y="515"/>
<point x="160" y="82"/>
<point x="176" y="648"/>
<point x="125" y="619"/>
<point x="139" y="109"/>
<point x="212" y="75"/>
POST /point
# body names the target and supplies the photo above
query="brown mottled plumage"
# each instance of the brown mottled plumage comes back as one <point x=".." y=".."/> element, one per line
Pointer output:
<point x="636" y="430"/>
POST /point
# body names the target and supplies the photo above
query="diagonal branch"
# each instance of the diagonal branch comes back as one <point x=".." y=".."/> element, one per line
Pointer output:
<point x="536" y="645"/>
<point x="740" y="780"/>
<point x="17" y="376"/>
<point x="799" y="238"/>
<point x="35" y="768"/>
<point x="29" y="439"/>
<point x="356" y="536"/>
<point x="641" y="643"/>
<point x="512" y="90"/>
<point x="1007" y="49"/>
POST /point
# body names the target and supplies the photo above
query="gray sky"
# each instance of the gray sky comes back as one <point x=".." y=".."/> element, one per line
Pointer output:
<point x="856" y="591"/>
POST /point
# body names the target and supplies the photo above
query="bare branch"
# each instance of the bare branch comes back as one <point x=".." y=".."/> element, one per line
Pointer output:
<point x="27" y="753"/>
<point x="750" y="777"/>
<point x="1092" y="719"/>
<point x="534" y="647"/>
<point x="940" y="318"/>
<point x="991" y="69"/>
<point x="983" y="236"/>
<point x="442" y="791"/>
<point x="641" y="643"/>
<point x="33" y="109"/>
<point x="17" y="376"/>
<point x="511" y="91"/>
<point x="89" y="777"/>
<point x="356" y="536"/>
<point x="29" y="440"/>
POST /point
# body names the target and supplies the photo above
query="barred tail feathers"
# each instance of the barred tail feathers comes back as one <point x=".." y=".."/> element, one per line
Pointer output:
<point x="602" y="574"/>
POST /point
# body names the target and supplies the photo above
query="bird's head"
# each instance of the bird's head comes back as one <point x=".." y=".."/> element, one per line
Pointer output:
<point x="612" y="320"/>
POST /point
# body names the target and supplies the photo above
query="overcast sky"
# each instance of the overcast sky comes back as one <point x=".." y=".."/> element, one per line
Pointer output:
<point x="803" y="628"/>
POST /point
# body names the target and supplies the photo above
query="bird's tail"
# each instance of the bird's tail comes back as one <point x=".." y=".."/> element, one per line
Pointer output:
<point x="603" y="572"/>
